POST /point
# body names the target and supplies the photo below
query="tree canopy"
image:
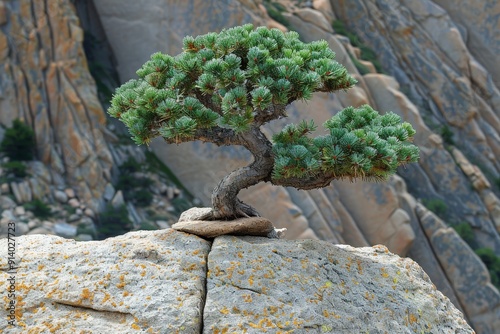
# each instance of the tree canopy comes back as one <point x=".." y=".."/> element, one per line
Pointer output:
<point x="224" y="86"/>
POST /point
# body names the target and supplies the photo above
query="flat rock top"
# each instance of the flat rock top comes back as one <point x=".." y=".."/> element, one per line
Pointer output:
<point x="140" y="282"/>
<point x="255" y="226"/>
<point x="282" y="286"/>
<point x="173" y="282"/>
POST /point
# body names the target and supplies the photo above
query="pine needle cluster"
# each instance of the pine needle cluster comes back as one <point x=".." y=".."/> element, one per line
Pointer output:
<point x="361" y="143"/>
<point x="229" y="79"/>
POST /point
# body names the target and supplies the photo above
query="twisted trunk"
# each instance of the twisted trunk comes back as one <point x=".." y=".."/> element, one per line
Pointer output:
<point x="225" y="202"/>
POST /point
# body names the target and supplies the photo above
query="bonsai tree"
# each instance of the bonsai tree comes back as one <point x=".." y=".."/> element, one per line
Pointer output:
<point x="224" y="87"/>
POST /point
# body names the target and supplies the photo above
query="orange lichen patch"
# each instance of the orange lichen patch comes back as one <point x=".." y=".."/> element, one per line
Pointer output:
<point x="360" y="269"/>
<point x="41" y="266"/>
<point x="224" y="310"/>
<point x="86" y="294"/>
<point x="250" y="280"/>
<point x="247" y="298"/>
<point x="369" y="296"/>
<point x="107" y="296"/>
<point x="220" y="331"/>
<point x="125" y="293"/>
<point x="195" y="252"/>
<point x="143" y="273"/>
<point x="305" y="263"/>
<point x="384" y="273"/>
<point x="135" y="326"/>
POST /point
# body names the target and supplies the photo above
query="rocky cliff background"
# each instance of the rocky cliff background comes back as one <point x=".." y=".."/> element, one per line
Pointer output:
<point x="435" y="63"/>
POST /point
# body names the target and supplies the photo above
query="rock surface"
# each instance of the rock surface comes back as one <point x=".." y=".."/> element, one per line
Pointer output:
<point x="447" y="86"/>
<point x="171" y="282"/>
<point x="45" y="82"/>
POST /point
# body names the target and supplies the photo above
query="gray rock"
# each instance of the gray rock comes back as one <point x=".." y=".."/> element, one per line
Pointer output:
<point x="312" y="286"/>
<point x="19" y="211"/>
<point x="195" y="214"/>
<point x="70" y="192"/>
<point x="135" y="283"/>
<point x="466" y="272"/>
<point x="7" y="203"/>
<point x="109" y="192"/>
<point x="118" y="200"/>
<point x="38" y="188"/>
<point x="170" y="192"/>
<point x="89" y="213"/>
<point x="84" y="237"/>
<point x="65" y="230"/>
<point x="32" y="224"/>
<point x="60" y="196"/>
<point x="73" y="218"/>
<point x="40" y="230"/>
<point x="4" y="188"/>
<point x="8" y="214"/>
<point x="75" y="203"/>
<point x="21" y="228"/>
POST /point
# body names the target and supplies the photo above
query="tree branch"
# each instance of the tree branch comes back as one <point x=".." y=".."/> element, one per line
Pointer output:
<point x="217" y="135"/>
<point x="306" y="183"/>
<point x="271" y="113"/>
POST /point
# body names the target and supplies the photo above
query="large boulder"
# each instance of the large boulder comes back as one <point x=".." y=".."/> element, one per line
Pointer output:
<point x="172" y="282"/>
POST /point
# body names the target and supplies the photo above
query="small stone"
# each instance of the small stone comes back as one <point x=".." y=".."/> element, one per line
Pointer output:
<point x="19" y="211"/>
<point x="7" y="203"/>
<point x="162" y="224"/>
<point x="74" y="203"/>
<point x="73" y="218"/>
<point x="39" y="230"/>
<point x="60" y="196"/>
<point x="32" y="224"/>
<point x="109" y="192"/>
<point x="170" y="209"/>
<point x="65" y="230"/>
<point x="118" y="199"/>
<point x="84" y="237"/>
<point x="79" y="211"/>
<point x="170" y="193"/>
<point x="47" y="224"/>
<point x="22" y="228"/>
<point x="4" y="188"/>
<point x="8" y="214"/>
<point x="163" y="189"/>
<point x="70" y="193"/>
<point x="89" y="213"/>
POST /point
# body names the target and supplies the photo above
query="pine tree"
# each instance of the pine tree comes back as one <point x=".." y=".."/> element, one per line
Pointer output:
<point x="223" y="87"/>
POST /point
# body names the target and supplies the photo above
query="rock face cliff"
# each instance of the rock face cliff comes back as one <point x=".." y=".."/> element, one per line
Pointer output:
<point x="171" y="282"/>
<point x="439" y="61"/>
<point x="46" y="83"/>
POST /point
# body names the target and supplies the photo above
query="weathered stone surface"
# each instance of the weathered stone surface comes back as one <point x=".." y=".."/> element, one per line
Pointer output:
<point x="109" y="192"/>
<point x="171" y="282"/>
<point x="468" y="275"/>
<point x="60" y="196"/>
<point x="260" y="285"/>
<point x="256" y="226"/>
<point x="137" y="283"/>
<point x="7" y="203"/>
<point x="315" y="17"/>
<point x="45" y="81"/>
